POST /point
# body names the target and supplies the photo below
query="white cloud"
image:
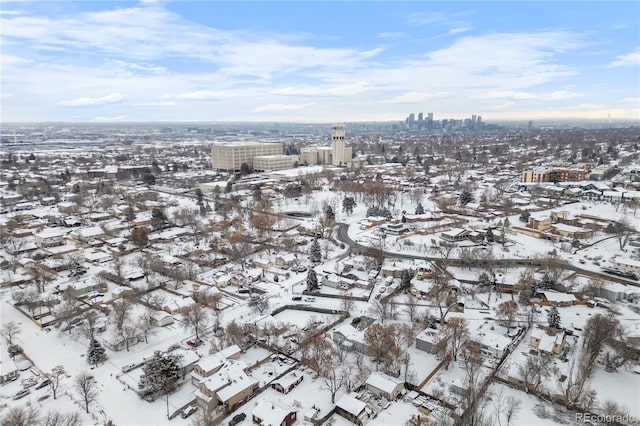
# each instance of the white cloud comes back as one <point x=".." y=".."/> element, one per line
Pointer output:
<point x="111" y="98"/>
<point x="282" y="107"/>
<point x="343" y="90"/>
<point x="155" y="104"/>
<point x="202" y="95"/>
<point x="115" y="118"/>
<point x="510" y="94"/>
<point x="416" y="97"/>
<point x="433" y="18"/>
<point x="459" y="30"/>
<point x="630" y="59"/>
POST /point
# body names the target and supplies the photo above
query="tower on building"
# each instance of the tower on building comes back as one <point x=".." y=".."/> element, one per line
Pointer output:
<point x="340" y="155"/>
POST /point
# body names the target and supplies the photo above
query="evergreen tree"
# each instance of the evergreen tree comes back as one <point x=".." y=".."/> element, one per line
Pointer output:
<point x="553" y="317"/>
<point x="149" y="179"/>
<point x="465" y="197"/>
<point x="489" y="236"/>
<point x="199" y="198"/>
<point x="160" y="375"/>
<point x="96" y="353"/>
<point x="406" y="279"/>
<point x="547" y="281"/>
<point x="312" y="280"/>
<point x="348" y="204"/>
<point x="524" y="216"/>
<point x="484" y="280"/>
<point x="158" y="218"/>
<point x="328" y="213"/>
<point x="419" y="209"/>
<point x="314" y="252"/>
<point x="257" y="194"/>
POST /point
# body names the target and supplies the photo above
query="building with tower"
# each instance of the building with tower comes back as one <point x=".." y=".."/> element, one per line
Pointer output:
<point x="336" y="155"/>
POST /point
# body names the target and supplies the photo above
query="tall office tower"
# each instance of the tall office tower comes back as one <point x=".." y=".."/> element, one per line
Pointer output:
<point x="473" y="119"/>
<point x="412" y="119"/>
<point x="530" y="126"/>
<point x="429" y="121"/>
<point x="479" y="120"/>
<point x="340" y="155"/>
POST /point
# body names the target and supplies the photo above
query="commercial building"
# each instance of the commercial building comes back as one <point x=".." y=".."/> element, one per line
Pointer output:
<point x="270" y="163"/>
<point x="231" y="156"/>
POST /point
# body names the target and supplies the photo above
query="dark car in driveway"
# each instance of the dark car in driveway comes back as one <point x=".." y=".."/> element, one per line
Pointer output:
<point x="43" y="384"/>
<point x="237" y="419"/>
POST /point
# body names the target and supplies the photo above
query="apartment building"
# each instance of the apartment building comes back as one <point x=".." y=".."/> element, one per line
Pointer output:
<point x="556" y="174"/>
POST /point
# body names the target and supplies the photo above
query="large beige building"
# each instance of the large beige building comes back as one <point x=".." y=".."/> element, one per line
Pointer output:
<point x="336" y="155"/>
<point x="231" y="156"/>
<point x="271" y="163"/>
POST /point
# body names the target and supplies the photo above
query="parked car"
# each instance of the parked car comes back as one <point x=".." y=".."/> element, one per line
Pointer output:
<point x="43" y="384"/>
<point x="309" y="299"/>
<point x="296" y="298"/>
<point x="128" y="367"/>
<point x="22" y="394"/>
<point x="194" y="343"/>
<point x="237" y="419"/>
<point x="189" y="411"/>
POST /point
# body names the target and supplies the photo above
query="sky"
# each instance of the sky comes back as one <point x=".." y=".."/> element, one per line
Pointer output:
<point x="327" y="61"/>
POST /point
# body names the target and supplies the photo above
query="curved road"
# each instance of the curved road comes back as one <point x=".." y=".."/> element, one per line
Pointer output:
<point x="342" y="235"/>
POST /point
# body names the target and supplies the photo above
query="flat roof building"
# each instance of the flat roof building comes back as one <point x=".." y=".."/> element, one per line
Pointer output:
<point x="231" y="156"/>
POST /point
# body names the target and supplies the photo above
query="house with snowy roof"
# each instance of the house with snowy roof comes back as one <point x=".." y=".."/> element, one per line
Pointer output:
<point x="273" y="413"/>
<point x="288" y="382"/>
<point x="381" y="384"/>
<point x="229" y="386"/>
<point x="210" y="364"/>
<point x="353" y="409"/>
<point x="550" y="344"/>
<point x="557" y="298"/>
<point x="50" y="237"/>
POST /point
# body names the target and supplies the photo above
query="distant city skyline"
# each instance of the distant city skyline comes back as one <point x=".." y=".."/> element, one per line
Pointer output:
<point x="318" y="62"/>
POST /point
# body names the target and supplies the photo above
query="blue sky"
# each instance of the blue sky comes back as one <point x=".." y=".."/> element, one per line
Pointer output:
<point x="318" y="61"/>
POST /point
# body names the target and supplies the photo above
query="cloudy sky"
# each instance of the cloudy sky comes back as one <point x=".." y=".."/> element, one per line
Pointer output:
<point x="318" y="61"/>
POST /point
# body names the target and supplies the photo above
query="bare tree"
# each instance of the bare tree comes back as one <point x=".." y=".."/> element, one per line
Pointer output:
<point x="475" y="395"/>
<point x="21" y="416"/>
<point x="317" y="352"/>
<point x="86" y="385"/>
<point x="598" y="331"/>
<point x="10" y="330"/>
<point x="381" y="308"/>
<point x="259" y="303"/>
<point x="575" y="389"/>
<point x="440" y="293"/>
<point x="56" y="418"/>
<point x="411" y="307"/>
<point x="507" y="312"/>
<point x="346" y="303"/>
<point x="145" y="324"/>
<point x="533" y="371"/>
<point x="451" y="337"/>
<point x="54" y="380"/>
<point x="379" y="342"/>
<point x="197" y="317"/>
<point x="88" y="324"/>
<point x="333" y="379"/>
<point x="120" y="310"/>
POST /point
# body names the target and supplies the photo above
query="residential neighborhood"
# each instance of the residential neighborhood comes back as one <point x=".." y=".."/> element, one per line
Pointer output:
<point x="470" y="277"/>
